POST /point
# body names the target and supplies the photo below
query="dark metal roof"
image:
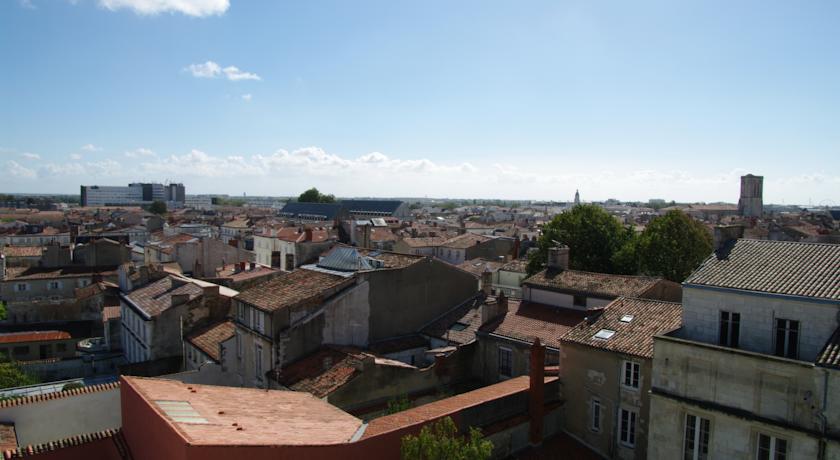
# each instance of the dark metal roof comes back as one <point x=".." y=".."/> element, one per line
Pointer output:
<point x="378" y="206"/>
<point x="778" y="267"/>
<point x="327" y="211"/>
<point x="345" y="259"/>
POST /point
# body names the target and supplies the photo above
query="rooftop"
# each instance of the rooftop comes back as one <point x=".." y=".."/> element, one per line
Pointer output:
<point x="595" y="284"/>
<point x="526" y="321"/>
<point x="208" y="339"/>
<point x="778" y="267"/>
<point x="478" y="266"/>
<point x="290" y="289"/>
<point x="33" y="273"/>
<point x="33" y="336"/>
<point x="465" y="241"/>
<point x="634" y="321"/>
<point x="22" y="251"/>
<point x="322" y="372"/>
<point x="459" y="325"/>
<point x="245" y="416"/>
<point x="830" y="354"/>
<point x="156" y="297"/>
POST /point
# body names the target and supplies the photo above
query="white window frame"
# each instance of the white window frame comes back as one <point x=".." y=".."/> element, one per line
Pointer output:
<point x="696" y="454"/>
<point x="240" y="312"/>
<point x="258" y="320"/>
<point x="635" y="375"/>
<point x="632" y="428"/>
<point x="788" y="331"/>
<point x="509" y="352"/>
<point x="596" y="415"/>
<point x="773" y="452"/>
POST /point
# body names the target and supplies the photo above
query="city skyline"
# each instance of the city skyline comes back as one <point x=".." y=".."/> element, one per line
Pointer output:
<point x="485" y="100"/>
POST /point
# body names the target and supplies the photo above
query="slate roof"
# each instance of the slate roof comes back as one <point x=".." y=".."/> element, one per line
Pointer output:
<point x="370" y="206"/>
<point x="649" y="318"/>
<point x="830" y="354"/>
<point x="327" y="211"/>
<point x="209" y="339"/>
<point x="778" y="267"/>
<point x="346" y="259"/>
<point x="291" y="289"/>
<point x="595" y="284"/>
<point x="156" y="297"/>
<point x="527" y="321"/>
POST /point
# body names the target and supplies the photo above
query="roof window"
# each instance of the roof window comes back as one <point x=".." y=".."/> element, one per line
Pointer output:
<point x="604" y="334"/>
<point x="627" y="318"/>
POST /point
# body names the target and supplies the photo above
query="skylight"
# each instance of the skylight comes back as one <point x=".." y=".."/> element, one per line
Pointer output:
<point x="626" y="318"/>
<point x="458" y="327"/>
<point x="181" y="411"/>
<point x="604" y="334"/>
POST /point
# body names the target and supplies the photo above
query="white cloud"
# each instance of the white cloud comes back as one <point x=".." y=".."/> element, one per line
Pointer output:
<point x="141" y="152"/>
<point x="247" y="97"/>
<point x="75" y="156"/>
<point x="211" y="69"/>
<point x="31" y="156"/>
<point x="91" y="148"/>
<point x="27" y="4"/>
<point x="197" y="8"/>
<point x="16" y="169"/>
<point x="233" y="73"/>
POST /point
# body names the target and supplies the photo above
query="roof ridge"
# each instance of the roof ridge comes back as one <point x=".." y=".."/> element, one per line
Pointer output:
<point x="26" y="451"/>
<point x="58" y="395"/>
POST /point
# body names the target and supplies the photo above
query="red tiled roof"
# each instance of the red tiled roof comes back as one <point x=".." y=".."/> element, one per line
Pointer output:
<point x="22" y="251"/>
<point x="30" y="273"/>
<point x="209" y="339"/>
<point x="465" y="241"/>
<point x="527" y="321"/>
<point x="8" y="437"/>
<point x="596" y="284"/>
<point x="649" y="318"/>
<point x="33" y="336"/>
<point x="48" y="447"/>
<point x="432" y="241"/>
<point x="58" y="395"/>
<point x="112" y="312"/>
<point x="322" y="372"/>
<point x="458" y="325"/>
<point x="296" y="287"/>
<point x="156" y="297"/>
<point x="830" y="354"/>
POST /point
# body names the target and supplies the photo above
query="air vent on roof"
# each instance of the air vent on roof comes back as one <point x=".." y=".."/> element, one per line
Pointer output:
<point x="626" y="318"/>
<point x="458" y="327"/>
<point x="604" y="334"/>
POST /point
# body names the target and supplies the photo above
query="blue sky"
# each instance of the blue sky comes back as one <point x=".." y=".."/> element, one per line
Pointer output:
<point x="493" y="99"/>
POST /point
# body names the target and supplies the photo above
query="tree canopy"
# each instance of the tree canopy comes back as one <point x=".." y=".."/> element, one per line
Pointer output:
<point x="158" y="207"/>
<point x="314" y="196"/>
<point x="441" y="441"/>
<point x="673" y="245"/>
<point x="11" y="375"/>
<point x="592" y="235"/>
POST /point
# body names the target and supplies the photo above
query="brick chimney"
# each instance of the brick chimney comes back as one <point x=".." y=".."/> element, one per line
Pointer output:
<point x="308" y="232"/>
<point x="2" y="267"/>
<point x="493" y="308"/>
<point x="242" y="266"/>
<point x="252" y="265"/>
<point x="487" y="281"/>
<point x="536" y="393"/>
<point x="558" y="258"/>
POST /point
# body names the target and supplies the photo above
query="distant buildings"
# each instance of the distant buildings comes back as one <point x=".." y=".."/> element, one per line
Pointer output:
<point x="135" y="194"/>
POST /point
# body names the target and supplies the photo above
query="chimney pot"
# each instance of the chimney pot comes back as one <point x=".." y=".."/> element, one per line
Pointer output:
<point x="558" y="258"/>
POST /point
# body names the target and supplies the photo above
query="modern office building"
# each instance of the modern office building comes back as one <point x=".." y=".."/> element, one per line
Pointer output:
<point x="134" y="194"/>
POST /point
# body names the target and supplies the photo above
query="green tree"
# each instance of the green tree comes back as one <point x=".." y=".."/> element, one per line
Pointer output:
<point x="441" y="441"/>
<point x="72" y="386"/>
<point x="673" y="245"/>
<point x="398" y="404"/>
<point x="592" y="235"/>
<point x="314" y="196"/>
<point x="158" y="207"/>
<point x="11" y="375"/>
<point x="3" y="311"/>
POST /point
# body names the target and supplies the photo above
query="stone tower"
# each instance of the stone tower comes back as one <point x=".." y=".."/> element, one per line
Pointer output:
<point x="577" y="197"/>
<point x="751" y="203"/>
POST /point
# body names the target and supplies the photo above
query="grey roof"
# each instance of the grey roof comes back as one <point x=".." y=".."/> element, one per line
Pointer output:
<point x="345" y="259"/>
<point x="778" y="267"/>
<point x="327" y="211"/>
<point x="379" y="206"/>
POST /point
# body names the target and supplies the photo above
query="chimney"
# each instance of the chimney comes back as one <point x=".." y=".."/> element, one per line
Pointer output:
<point x="210" y="291"/>
<point x="536" y="393"/>
<point x="366" y="230"/>
<point x="516" y="248"/>
<point x="726" y="233"/>
<point x="252" y="265"/>
<point x="2" y="267"/>
<point x="487" y="281"/>
<point x="179" y="299"/>
<point x="558" y="258"/>
<point x="242" y="266"/>
<point x="493" y="308"/>
<point x="308" y="234"/>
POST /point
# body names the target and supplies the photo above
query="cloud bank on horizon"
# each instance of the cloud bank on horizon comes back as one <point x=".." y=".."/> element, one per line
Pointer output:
<point x="285" y="172"/>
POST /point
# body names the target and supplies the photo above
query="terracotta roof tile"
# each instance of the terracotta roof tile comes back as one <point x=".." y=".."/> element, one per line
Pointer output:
<point x="478" y="266"/>
<point x="22" y="251"/>
<point x="779" y="267"/>
<point x="322" y="372"/>
<point x="526" y="321"/>
<point x="209" y="339"/>
<point x="647" y="318"/>
<point x="464" y="241"/>
<point x="156" y="297"/>
<point x="58" y="395"/>
<point x="459" y="325"/>
<point x="36" y="450"/>
<point x="31" y="273"/>
<point x="830" y="354"/>
<point x="291" y="289"/>
<point x="33" y="336"/>
<point x="596" y="284"/>
<point x="432" y="241"/>
<point x="8" y="437"/>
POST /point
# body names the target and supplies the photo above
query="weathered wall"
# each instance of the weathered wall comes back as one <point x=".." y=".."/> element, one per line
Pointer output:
<point x="403" y="301"/>
<point x="701" y="319"/>
<point x="347" y="317"/>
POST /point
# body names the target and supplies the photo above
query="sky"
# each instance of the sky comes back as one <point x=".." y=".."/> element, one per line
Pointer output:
<point x="467" y="99"/>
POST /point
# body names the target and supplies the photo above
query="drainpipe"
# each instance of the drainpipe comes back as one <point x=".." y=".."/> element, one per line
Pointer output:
<point x="823" y="418"/>
<point x="536" y="393"/>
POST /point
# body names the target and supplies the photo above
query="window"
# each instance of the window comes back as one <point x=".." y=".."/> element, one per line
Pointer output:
<point x="787" y="338"/>
<point x="258" y="361"/>
<point x="21" y="287"/>
<point x="238" y="345"/>
<point x="627" y="428"/>
<point x="595" y="411"/>
<point x="730" y="328"/>
<point x="20" y="351"/>
<point x="505" y="361"/>
<point x="240" y="311"/>
<point x="257" y="320"/>
<point x="696" y="442"/>
<point x="54" y="285"/>
<point x="771" y="448"/>
<point x="84" y="282"/>
<point x="631" y="373"/>
<point x="579" y="300"/>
